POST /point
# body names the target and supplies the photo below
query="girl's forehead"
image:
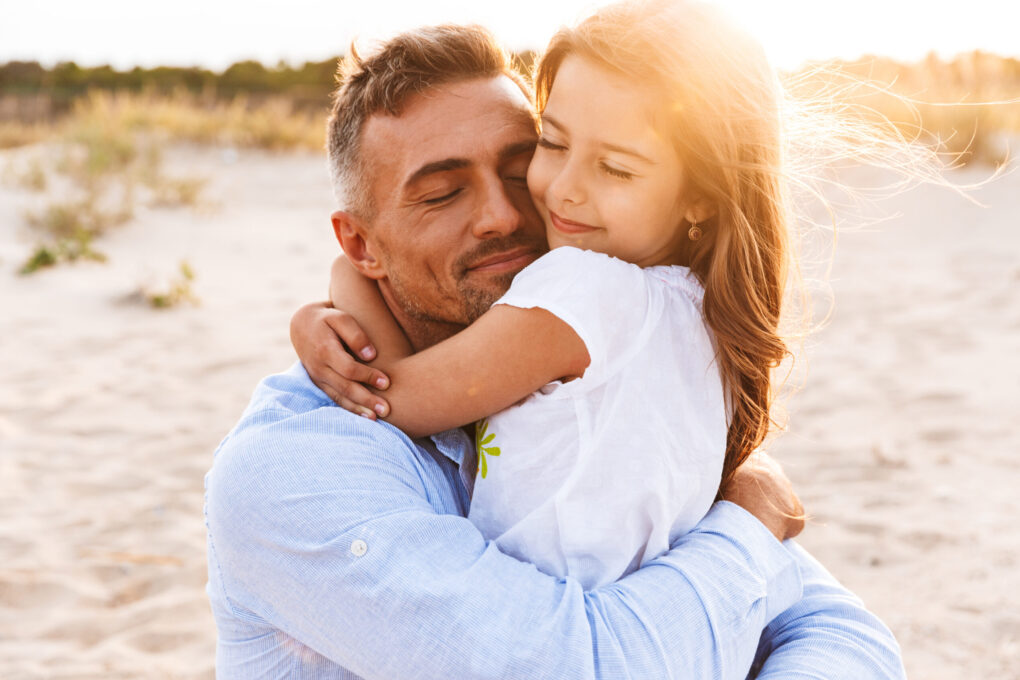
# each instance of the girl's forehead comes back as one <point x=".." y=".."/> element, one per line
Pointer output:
<point x="589" y="99"/>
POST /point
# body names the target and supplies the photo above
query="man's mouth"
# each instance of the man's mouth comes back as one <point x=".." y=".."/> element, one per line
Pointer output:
<point x="570" y="227"/>
<point x="509" y="260"/>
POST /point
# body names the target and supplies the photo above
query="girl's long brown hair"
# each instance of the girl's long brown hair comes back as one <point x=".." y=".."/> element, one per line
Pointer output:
<point x="722" y="100"/>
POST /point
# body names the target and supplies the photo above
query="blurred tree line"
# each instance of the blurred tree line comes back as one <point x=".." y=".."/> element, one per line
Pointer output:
<point x="311" y="83"/>
<point x="307" y="86"/>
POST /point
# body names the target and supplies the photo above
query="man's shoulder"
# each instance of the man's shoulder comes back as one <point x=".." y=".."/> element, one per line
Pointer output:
<point x="292" y="438"/>
<point x="287" y="405"/>
<point x="284" y="399"/>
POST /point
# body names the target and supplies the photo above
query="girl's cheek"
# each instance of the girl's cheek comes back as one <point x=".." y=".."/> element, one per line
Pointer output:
<point x="541" y="172"/>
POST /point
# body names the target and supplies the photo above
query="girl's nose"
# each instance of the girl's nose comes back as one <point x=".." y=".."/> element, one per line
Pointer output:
<point x="569" y="185"/>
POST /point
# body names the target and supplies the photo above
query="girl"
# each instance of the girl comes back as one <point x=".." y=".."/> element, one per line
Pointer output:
<point x="654" y="318"/>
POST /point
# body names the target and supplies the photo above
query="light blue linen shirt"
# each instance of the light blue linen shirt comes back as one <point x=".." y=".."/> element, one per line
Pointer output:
<point x="338" y="548"/>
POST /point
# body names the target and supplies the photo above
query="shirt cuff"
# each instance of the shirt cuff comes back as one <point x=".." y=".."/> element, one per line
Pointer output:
<point x="784" y="585"/>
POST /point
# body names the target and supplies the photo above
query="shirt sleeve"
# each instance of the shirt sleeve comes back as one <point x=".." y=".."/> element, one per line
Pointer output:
<point x="331" y="539"/>
<point x="605" y="300"/>
<point x="827" y="633"/>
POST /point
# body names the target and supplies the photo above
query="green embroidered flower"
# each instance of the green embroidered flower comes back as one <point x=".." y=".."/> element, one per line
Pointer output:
<point x="481" y="439"/>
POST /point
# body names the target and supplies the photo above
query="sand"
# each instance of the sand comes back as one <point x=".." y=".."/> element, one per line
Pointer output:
<point x="901" y="441"/>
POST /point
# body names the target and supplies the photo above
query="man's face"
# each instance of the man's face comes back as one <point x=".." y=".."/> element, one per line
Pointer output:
<point x="453" y="220"/>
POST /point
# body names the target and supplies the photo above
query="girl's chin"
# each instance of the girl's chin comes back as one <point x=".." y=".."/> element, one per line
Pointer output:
<point x="583" y="241"/>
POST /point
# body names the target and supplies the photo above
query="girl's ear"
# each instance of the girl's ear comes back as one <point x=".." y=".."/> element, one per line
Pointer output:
<point x="352" y="235"/>
<point x="701" y="210"/>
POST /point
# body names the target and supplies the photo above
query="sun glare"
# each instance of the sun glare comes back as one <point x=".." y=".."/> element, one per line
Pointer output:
<point x="197" y="33"/>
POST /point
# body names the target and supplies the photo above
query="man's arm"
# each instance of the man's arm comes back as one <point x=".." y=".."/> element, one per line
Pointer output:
<point x="322" y="534"/>
<point x="827" y="634"/>
<point x="333" y="540"/>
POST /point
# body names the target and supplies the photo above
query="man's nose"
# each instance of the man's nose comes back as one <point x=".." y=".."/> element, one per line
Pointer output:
<point x="497" y="214"/>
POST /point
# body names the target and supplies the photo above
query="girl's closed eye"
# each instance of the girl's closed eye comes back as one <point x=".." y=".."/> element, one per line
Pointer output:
<point x="615" y="172"/>
<point x="546" y="143"/>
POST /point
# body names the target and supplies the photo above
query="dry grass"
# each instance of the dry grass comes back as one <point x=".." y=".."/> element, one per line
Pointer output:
<point x="14" y="133"/>
<point x="107" y="135"/>
<point x="68" y="231"/>
<point x="31" y="175"/>
<point x="177" y="291"/>
<point x="106" y="156"/>
<point x="172" y="192"/>
<point x="272" y="124"/>
<point x="111" y="148"/>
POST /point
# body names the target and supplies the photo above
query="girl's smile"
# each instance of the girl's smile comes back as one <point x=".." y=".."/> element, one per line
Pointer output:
<point x="569" y="227"/>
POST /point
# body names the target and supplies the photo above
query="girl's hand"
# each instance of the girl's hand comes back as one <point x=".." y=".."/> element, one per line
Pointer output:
<point x="325" y="339"/>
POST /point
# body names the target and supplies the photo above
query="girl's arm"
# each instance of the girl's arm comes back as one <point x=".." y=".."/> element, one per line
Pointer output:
<point x="360" y="297"/>
<point x="495" y="362"/>
<point x="500" y="359"/>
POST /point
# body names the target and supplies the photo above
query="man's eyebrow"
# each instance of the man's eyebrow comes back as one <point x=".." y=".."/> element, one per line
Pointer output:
<point x="444" y="165"/>
<point x="610" y="147"/>
<point x="447" y="164"/>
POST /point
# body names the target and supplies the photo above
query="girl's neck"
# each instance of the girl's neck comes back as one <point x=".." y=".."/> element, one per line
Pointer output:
<point x="678" y="253"/>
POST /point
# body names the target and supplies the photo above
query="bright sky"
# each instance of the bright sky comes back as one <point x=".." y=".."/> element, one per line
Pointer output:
<point x="216" y="33"/>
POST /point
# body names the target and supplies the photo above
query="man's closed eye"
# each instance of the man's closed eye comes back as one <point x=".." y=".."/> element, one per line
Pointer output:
<point x="441" y="199"/>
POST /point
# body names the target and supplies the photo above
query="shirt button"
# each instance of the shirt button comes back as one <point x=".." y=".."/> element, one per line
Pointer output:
<point x="359" y="548"/>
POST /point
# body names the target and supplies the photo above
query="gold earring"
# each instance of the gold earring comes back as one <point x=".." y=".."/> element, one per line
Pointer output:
<point x="694" y="233"/>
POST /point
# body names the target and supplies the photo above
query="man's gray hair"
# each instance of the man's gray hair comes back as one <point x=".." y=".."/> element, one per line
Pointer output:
<point x="410" y="63"/>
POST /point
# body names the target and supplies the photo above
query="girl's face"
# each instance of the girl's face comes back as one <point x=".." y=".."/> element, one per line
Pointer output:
<point x="605" y="177"/>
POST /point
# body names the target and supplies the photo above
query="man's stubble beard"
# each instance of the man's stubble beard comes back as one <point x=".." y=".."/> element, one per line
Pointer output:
<point x="474" y="294"/>
<point x="470" y="302"/>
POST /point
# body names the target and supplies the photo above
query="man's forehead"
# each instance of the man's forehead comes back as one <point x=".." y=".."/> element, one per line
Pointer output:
<point x="462" y="119"/>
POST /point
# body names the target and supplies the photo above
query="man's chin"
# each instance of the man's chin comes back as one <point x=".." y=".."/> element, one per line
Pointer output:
<point x="480" y="290"/>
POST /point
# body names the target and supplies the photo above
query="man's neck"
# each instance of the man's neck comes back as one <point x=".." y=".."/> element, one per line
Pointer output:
<point x="422" y="333"/>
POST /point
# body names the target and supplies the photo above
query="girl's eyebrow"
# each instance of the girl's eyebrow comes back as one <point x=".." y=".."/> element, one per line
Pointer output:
<point x="628" y="152"/>
<point x="552" y="121"/>
<point x="609" y="147"/>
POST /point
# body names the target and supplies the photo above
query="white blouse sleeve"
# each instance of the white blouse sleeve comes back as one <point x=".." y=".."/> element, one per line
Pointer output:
<point x="605" y="300"/>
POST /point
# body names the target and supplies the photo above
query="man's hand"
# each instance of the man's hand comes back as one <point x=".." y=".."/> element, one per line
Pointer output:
<point x="760" y="487"/>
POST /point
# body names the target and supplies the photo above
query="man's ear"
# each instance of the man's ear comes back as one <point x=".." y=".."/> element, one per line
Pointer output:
<point x="352" y="234"/>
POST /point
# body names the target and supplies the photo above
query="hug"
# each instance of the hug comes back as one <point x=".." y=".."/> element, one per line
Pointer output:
<point x="523" y="441"/>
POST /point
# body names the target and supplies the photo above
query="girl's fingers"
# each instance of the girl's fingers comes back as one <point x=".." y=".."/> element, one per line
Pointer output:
<point x="348" y="405"/>
<point x="356" y="398"/>
<point x="351" y="333"/>
<point x="349" y="369"/>
<point x="334" y="393"/>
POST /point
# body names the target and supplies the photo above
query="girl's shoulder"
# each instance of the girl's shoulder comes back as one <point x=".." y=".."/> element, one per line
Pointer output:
<point x="680" y="279"/>
<point x="599" y="272"/>
<point x="571" y="257"/>
<point x="569" y="271"/>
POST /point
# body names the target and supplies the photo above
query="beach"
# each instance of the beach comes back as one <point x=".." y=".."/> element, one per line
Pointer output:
<point x="901" y="440"/>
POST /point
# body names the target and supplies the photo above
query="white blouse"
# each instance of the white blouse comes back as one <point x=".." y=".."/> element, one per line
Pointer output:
<point x="593" y="477"/>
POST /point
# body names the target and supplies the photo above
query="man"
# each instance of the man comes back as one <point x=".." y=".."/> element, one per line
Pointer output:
<point x="339" y="548"/>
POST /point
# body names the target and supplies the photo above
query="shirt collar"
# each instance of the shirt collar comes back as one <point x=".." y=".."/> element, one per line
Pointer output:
<point x="456" y="445"/>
